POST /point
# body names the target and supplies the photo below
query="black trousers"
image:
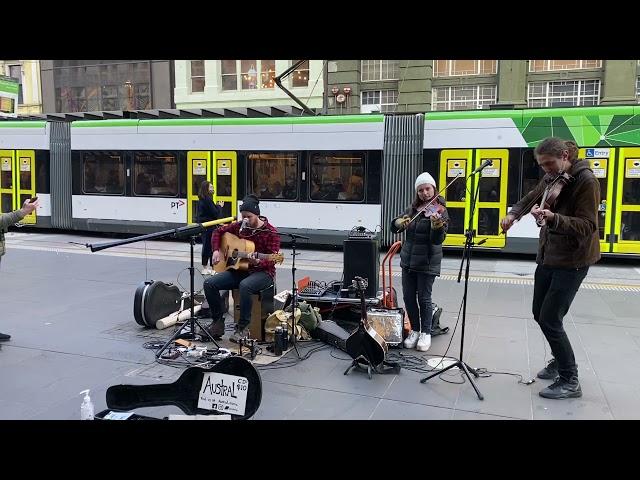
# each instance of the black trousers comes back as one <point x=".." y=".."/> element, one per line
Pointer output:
<point x="553" y="292"/>
<point x="416" y="292"/>
<point x="207" y="251"/>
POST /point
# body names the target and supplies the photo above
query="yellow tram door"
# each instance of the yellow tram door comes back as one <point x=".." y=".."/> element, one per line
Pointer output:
<point x="198" y="170"/>
<point x="491" y="197"/>
<point x="225" y="181"/>
<point x="17" y="181"/>
<point x="602" y="163"/>
<point x="455" y="163"/>
<point x="626" y="238"/>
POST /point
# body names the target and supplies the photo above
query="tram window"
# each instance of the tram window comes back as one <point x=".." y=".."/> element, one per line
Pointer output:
<point x="337" y="176"/>
<point x="155" y="174"/>
<point x="6" y="174"/>
<point x="531" y="172"/>
<point x="274" y="175"/>
<point x="103" y="173"/>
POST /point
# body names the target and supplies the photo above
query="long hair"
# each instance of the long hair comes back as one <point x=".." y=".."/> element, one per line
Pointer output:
<point x="417" y="202"/>
<point x="204" y="190"/>
<point x="554" y="146"/>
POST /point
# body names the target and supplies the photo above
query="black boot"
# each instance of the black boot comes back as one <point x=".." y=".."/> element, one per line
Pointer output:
<point x="562" y="388"/>
<point x="4" y="336"/>
<point x="215" y="329"/>
<point x="550" y="371"/>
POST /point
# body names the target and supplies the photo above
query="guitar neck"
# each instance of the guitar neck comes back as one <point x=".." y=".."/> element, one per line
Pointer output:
<point x="261" y="256"/>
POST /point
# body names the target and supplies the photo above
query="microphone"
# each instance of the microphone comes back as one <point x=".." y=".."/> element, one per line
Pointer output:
<point x="484" y="164"/>
<point x="244" y="224"/>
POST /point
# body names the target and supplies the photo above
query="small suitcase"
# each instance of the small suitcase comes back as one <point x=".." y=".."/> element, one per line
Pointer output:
<point x="154" y="300"/>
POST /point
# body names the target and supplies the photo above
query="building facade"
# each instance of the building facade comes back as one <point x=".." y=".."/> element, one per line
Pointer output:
<point x="363" y="86"/>
<point x="246" y="83"/>
<point x="106" y="85"/>
<point x="27" y="73"/>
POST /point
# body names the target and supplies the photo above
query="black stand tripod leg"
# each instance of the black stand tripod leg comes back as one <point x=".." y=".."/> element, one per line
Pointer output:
<point x="192" y="321"/>
<point x="463" y="367"/>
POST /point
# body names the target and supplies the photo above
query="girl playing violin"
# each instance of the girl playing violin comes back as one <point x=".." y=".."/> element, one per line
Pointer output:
<point x="425" y="222"/>
<point x="568" y="245"/>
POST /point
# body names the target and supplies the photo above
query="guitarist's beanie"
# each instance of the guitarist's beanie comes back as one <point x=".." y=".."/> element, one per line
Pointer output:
<point x="250" y="204"/>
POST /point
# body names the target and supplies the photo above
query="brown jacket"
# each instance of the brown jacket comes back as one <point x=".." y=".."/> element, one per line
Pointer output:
<point x="571" y="240"/>
<point x="7" y="219"/>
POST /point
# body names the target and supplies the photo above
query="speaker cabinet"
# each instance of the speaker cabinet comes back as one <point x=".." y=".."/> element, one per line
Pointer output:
<point x="362" y="259"/>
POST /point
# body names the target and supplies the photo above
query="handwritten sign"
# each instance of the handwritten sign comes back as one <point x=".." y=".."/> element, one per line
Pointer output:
<point x="223" y="393"/>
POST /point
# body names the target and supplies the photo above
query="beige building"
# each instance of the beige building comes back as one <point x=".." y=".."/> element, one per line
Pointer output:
<point x="245" y="83"/>
<point x="27" y="72"/>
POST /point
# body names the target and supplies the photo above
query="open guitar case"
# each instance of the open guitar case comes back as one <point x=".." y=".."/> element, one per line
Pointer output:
<point x="184" y="392"/>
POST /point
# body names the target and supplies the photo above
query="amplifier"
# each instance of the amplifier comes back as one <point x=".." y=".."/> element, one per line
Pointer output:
<point x="362" y="259"/>
<point x="330" y="332"/>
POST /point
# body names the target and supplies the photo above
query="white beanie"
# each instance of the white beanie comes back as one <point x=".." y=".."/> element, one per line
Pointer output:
<point x="423" y="178"/>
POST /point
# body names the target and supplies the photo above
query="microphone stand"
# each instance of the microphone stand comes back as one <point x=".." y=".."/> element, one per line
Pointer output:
<point x="192" y="231"/>
<point x="294" y="289"/>
<point x="466" y="256"/>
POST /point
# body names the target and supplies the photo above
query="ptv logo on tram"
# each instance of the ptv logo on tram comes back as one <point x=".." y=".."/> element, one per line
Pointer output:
<point x="177" y="204"/>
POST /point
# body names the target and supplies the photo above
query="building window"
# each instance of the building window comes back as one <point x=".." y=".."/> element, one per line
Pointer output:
<point x="197" y="76"/>
<point x="103" y="173"/>
<point x="274" y="175"/>
<point x="463" y="97"/>
<point x="573" y="93"/>
<point x="457" y="68"/>
<point x="300" y="76"/>
<point x="638" y="89"/>
<point x="15" y="71"/>
<point x="247" y="74"/>
<point x="376" y="70"/>
<point x="379" y="101"/>
<point x="155" y="174"/>
<point x="337" y="176"/>
<point x="553" y="65"/>
<point x="116" y="86"/>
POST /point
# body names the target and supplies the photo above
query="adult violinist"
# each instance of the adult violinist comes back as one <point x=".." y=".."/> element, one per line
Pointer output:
<point x="568" y="245"/>
<point x="425" y="222"/>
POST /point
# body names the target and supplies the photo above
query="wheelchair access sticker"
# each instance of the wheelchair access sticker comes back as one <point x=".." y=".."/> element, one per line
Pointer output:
<point x="223" y="393"/>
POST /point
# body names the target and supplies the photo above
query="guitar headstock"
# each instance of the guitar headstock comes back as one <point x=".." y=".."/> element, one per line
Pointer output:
<point x="360" y="283"/>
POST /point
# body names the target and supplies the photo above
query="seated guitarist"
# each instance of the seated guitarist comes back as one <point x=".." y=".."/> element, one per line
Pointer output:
<point x="260" y="275"/>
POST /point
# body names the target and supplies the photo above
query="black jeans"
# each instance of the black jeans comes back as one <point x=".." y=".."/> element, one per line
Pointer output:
<point x="553" y="292"/>
<point x="207" y="251"/>
<point x="248" y="284"/>
<point x="416" y="291"/>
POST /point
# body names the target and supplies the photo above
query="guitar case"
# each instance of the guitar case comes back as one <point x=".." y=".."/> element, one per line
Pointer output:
<point x="184" y="392"/>
<point x="154" y="300"/>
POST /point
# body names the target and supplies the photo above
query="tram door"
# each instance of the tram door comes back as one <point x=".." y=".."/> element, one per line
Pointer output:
<point x="602" y="163"/>
<point x="626" y="238"/>
<point x="218" y="167"/>
<point x="17" y="181"/>
<point x="492" y="195"/>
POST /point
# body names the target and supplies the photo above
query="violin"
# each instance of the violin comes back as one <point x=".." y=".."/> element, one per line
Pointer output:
<point x="551" y="194"/>
<point x="549" y="198"/>
<point x="432" y="209"/>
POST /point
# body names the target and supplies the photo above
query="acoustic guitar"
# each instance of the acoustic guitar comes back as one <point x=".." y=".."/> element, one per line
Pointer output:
<point x="235" y="254"/>
<point x="365" y="343"/>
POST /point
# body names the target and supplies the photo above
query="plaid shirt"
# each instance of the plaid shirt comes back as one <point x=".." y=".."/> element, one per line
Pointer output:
<point x="266" y="240"/>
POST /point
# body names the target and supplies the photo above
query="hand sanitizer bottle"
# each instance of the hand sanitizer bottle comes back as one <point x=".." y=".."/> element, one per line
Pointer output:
<point x="86" y="409"/>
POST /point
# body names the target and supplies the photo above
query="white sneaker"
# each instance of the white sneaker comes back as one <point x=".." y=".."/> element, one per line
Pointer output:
<point x="206" y="270"/>
<point x="424" y="342"/>
<point x="411" y="340"/>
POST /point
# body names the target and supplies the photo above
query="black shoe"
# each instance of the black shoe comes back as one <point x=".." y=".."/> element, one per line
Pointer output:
<point x="215" y="329"/>
<point x="4" y="336"/>
<point x="550" y="371"/>
<point x="562" y="388"/>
